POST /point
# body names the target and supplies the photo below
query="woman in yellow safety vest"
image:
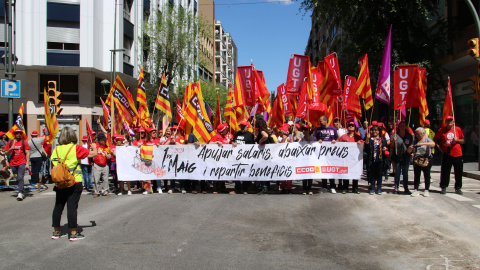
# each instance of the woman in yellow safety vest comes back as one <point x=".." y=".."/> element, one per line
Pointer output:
<point x="73" y="154"/>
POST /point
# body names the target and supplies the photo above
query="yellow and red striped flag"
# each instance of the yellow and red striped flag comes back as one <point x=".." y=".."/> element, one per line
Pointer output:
<point x="123" y="98"/>
<point x="143" y="112"/>
<point x="50" y="119"/>
<point x="196" y="115"/>
<point x="238" y="92"/>
<point x="18" y="124"/>
<point x="218" y="118"/>
<point x="229" y="113"/>
<point x="163" y="99"/>
<point x="364" y="89"/>
<point x="423" y="109"/>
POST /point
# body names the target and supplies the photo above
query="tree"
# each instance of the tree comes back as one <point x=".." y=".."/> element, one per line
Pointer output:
<point x="417" y="36"/>
<point x="171" y="41"/>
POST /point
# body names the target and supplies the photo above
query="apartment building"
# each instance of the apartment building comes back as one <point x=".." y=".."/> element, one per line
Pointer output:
<point x="225" y="56"/>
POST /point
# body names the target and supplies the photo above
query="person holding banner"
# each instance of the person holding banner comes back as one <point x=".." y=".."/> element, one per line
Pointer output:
<point x="351" y="136"/>
<point x="377" y="151"/>
<point x="449" y="139"/>
<point x="326" y="133"/>
<point x="243" y="136"/>
<point x="194" y="185"/>
<point x="306" y="183"/>
<point x="72" y="153"/>
<point x="175" y="139"/>
<point x="262" y="139"/>
<point x="140" y="137"/>
<point x="286" y="186"/>
<point x="400" y="143"/>
<point x="220" y="138"/>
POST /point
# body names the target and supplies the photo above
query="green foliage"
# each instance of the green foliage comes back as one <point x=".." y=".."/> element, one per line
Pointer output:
<point x="171" y="42"/>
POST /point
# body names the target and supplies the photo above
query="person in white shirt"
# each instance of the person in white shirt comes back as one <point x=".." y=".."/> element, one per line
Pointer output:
<point x="86" y="168"/>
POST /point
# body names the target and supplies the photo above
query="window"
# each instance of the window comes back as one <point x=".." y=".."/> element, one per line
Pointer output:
<point x="63" y="46"/>
<point x="66" y="84"/>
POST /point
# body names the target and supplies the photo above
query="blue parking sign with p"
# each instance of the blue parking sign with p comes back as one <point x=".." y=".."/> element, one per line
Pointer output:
<point x="10" y="89"/>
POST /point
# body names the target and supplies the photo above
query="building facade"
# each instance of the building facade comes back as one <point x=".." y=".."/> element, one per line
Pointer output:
<point x="225" y="56"/>
<point x="70" y="42"/>
<point x="206" y="70"/>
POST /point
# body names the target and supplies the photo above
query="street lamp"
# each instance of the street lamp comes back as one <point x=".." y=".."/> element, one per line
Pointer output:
<point x="106" y="85"/>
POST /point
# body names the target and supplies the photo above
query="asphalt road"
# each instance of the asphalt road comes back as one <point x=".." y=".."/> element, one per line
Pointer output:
<point x="207" y="231"/>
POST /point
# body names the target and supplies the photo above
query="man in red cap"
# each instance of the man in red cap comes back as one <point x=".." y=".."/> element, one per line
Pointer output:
<point x="220" y="138"/>
<point x="20" y="158"/>
<point x="243" y="136"/>
<point x="449" y="139"/>
<point x="37" y="154"/>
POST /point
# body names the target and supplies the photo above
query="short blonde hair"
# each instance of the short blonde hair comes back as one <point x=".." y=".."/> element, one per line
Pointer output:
<point x="67" y="135"/>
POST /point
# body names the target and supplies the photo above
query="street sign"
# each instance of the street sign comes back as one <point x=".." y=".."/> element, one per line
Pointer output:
<point x="10" y="89"/>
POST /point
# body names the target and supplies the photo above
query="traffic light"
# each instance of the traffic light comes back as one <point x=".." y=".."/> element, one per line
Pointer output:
<point x="473" y="48"/>
<point x="54" y="98"/>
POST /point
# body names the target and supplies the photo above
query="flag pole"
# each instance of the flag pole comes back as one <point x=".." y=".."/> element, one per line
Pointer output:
<point x="453" y="112"/>
<point x="395" y="128"/>
<point x="371" y="113"/>
<point x="409" y="116"/>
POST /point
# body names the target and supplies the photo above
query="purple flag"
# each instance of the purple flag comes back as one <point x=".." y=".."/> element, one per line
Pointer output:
<point x="383" y="83"/>
<point x="265" y="116"/>
<point x="251" y="117"/>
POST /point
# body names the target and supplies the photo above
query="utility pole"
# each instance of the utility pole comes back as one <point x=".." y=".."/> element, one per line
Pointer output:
<point x="10" y="59"/>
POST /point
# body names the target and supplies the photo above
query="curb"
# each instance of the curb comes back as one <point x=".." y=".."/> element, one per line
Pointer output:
<point x="472" y="175"/>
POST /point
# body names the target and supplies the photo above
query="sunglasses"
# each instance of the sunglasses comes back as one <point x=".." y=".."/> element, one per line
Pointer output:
<point x="351" y="125"/>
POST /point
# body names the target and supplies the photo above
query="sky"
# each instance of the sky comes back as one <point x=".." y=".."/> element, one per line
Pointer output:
<point x="267" y="32"/>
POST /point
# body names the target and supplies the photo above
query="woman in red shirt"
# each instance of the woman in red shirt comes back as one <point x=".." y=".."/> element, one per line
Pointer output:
<point x="351" y="136"/>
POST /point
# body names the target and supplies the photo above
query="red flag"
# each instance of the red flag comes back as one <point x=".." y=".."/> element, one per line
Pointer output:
<point x="218" y="119"/>
<point x="284" y="100"/>
<point x="261" y="92"/>
<point x="297" y="71"/>
<point x="90" y="136"/>
<point x="330" y="87"/>
<point x="448" y="104"/>
<point x="302" y="105"/>
<point x="277" y="119"/>
<point x="351" y="101"/>
<point x="106" y="120"/>
<point x="406" y="87"/>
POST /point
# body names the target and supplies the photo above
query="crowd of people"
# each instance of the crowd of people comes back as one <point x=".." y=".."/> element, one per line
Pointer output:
<point x="396" y="148"/>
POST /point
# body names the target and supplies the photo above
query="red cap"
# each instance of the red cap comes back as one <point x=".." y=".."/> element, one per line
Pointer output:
<point x="34" y="133"/>
<point x="160" y="131"/>
<point x="119" y="137"/>
<point x="94" y="133"/>
<point x="284" y="128"/>
<point x="84" y="138"/>
<point x="2" y="133"/>
<point x="381" y="125"/>
<point x="386" y="153"/>
<point x="374" y="123"/>
<point x="152" y="129"/>
<point x="221" y="128"/>
<point x="244" y="123"/>
<point x="426" y="122"/>
<point x="297" y="126"/>
<point x="449" y="117"/>
<point x="141" y="130"/>
<point x="174" y="127"/>
<point x="43" y="130"/>
<point x="17" y="130"/>
<point x="350" y="122"/>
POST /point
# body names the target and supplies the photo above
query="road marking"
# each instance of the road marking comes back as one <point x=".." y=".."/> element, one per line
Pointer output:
<point x="477" y="206"/>
<point x="53" y="193"/>
<point x="458" y="197"/>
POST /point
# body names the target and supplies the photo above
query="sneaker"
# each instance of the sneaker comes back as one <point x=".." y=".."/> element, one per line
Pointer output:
<point x="170" y="191"/>
<point x="356" y="191"/>
<point x="415" y="193"/>
<point x="344" y="191"/>
<point x="232" y="192"/>
<point x="444" y="191"/>
<point x="407" y="192"/>
<point x="386" y="178"/>
<point x="20" y="197"/>
<point x="184" y="191"/>
<point x="194" y="192"/>
<point x="129" y="193"/>
<point x="120" y="193"/>
<point x="57" y="235"/>
<point x="96" y="195"/>
<point x="426" y="193"/>
<point x="333" y="191"/>
<point x="106" y="194"/>
<point x="77" y="236"/>
<point x="145" y="192"/>
<point x="323" y="190"/>
<point x="395" y="191"/>
<point x="372" y="192"/>
<point x="379" y="192"/>
<point x="459" y="191"/>
<point x="245" y="193"/>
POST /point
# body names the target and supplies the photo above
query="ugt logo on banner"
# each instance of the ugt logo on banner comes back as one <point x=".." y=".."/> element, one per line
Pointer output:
<point x="10" y="89"/>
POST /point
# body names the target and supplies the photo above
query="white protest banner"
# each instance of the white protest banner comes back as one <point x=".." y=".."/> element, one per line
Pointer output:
<point x="285" y="161"/>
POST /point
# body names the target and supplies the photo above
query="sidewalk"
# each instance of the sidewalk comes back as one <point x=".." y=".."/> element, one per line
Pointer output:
<point x="470" y="170"/>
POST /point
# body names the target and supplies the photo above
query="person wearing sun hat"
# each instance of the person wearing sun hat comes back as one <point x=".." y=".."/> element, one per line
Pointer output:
<point x="20" y="158"/>
<point x="220" y="139"/>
